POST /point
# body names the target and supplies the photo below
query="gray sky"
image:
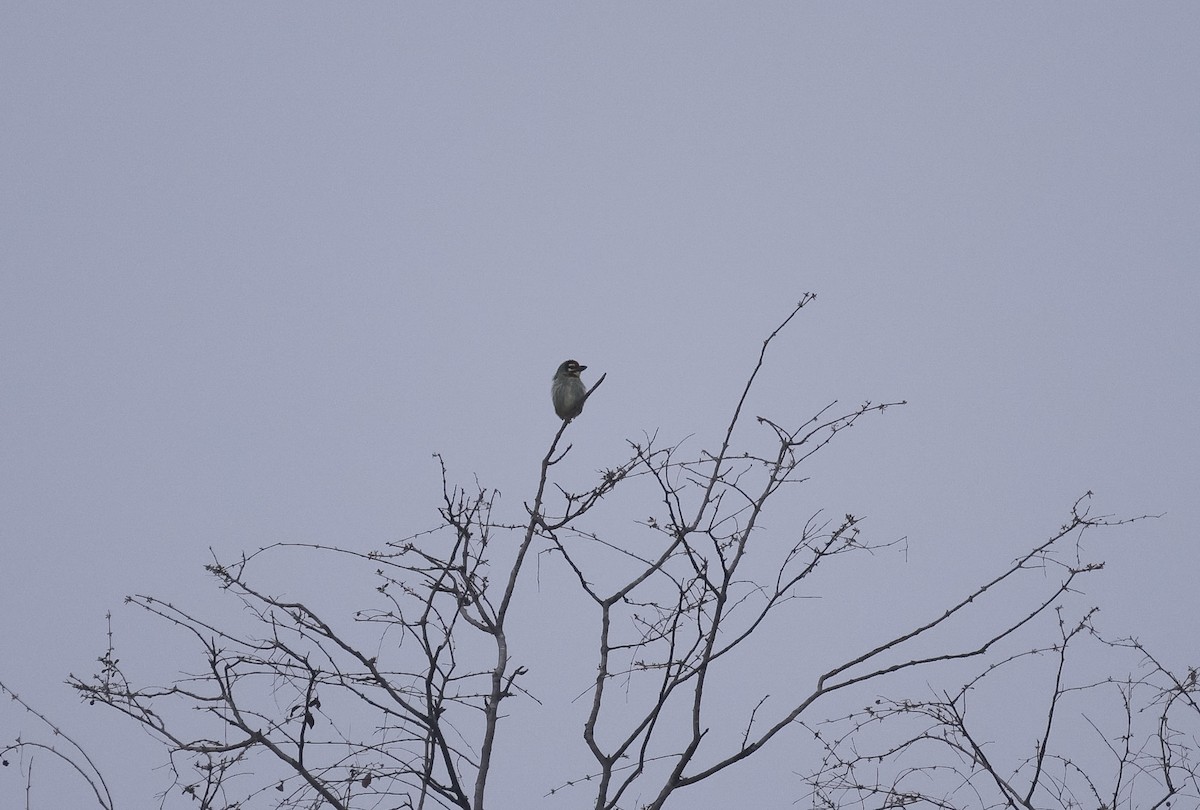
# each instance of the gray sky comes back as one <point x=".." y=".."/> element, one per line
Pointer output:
<point x="259" y="261"/>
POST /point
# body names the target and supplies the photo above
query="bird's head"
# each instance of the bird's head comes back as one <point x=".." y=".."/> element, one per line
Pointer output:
<point x="569" y="368"/>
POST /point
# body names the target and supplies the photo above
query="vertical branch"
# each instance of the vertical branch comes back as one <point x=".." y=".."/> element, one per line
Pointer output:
<point x="501" y="678"/>
<point x="719" y="460"/>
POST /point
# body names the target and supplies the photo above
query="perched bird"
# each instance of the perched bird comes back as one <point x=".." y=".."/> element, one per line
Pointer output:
<point x="567" y="390"/>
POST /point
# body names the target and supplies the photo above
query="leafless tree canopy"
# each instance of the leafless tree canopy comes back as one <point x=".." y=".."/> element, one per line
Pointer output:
<point x="404" y="697"/>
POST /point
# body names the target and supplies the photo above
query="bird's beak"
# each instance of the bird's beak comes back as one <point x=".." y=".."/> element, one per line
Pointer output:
<point x="581" y="368"/>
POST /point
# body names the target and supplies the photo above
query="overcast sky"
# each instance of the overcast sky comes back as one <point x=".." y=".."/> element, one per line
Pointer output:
<point x="259" y="261"/>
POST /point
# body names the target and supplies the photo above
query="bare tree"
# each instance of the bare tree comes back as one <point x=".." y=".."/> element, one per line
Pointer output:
<point x="1097" y="741"/>
<point x="274" y="716"/>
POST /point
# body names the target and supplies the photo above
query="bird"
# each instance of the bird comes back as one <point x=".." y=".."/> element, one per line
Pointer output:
<point x="567" y="391"/>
